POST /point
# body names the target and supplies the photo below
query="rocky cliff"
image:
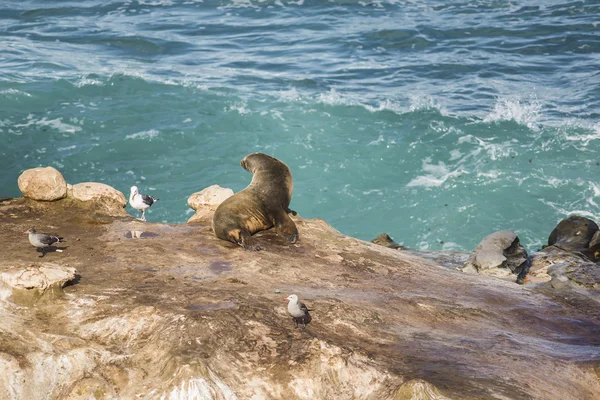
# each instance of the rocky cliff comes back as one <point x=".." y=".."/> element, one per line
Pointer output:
<point x="158" y="311"/>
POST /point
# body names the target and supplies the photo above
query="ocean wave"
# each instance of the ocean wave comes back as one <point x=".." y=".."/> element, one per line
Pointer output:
<point x="527" y="113"/>
<point x="149" y="134"/>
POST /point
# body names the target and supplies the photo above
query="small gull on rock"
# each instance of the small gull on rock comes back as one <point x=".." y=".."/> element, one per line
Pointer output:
<point x="298" y="311"/>
<point x="140" y="202"/>
<point x="43" y="241"/>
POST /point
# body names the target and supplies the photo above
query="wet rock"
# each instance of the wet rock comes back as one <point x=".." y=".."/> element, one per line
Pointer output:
<point x="45" y="184"/>
<point x="103" y="198"/>
<point x="499" y="254"/>
<point x="574" y="234"/>
<point x="385" y="240"/>
<point x="206" y="201"/>
<point x="594" y="247"/>
<point x="30" y="284"/>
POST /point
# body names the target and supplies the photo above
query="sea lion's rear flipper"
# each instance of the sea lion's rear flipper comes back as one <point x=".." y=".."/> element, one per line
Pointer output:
<point x="285" y="226"/>
<point x="248" y="242"/>
<point x="290" y="211"/>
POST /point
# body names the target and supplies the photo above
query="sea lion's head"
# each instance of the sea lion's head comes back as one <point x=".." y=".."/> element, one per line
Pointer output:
<point x="252" y="162"/>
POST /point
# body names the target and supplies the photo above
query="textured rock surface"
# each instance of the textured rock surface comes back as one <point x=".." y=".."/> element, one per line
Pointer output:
<point x="104" y="198"/>
<point x="176" y="313"/>
<point x="206" y="201"/>
<point x="46" y="184"/>
<point x="42" y="277"/>
<point x="385" y="240"/>
<point x="574" y="234"/>
<point x="499" y="254"/>
<point x="30" y="284"/>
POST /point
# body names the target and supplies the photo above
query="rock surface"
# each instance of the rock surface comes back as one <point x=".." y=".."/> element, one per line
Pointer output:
<point x="498" y="254"/>
<point x="177" y="313"/>
<point x="574" y="234"/>
<point x="103" y="198"/>
<point x="45" y="184"/>
<point x="206" y="201"/>
<point x="29" y="284"/>
<point x="385" y="240"/>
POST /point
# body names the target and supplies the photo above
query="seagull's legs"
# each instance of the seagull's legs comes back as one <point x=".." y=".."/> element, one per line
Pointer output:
<point x="143" y="216"/>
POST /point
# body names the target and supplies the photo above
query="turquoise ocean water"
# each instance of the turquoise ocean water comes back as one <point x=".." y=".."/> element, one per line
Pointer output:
<point x="438" y="122"/>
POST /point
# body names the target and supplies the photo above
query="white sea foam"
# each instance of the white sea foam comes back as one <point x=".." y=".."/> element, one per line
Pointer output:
<point x="494" y="150"/>
<point x="436" y="175"/>
<point x="514" y="109"/>
<point x="67" y="148"/>
<point x="58" y="125"/>
<point x="85" y="81"/>
<point x="585" y="139"/>
<point x="455" y="154"/>
<point x="239" y="107"/>
<point x="425" y="102"/>
<point x="152" y="133"/>
<point x="14" y="92"/>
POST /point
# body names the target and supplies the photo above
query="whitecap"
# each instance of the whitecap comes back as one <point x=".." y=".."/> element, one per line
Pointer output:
<point x="67" y="148"/>
<point x="143" y="135"/>
<point x="425" y="102"/>
<point x="436" y="175"/>
<point x="513" y="109"/>
<point x="14" y="92"/>
<point x="56" y="124"/>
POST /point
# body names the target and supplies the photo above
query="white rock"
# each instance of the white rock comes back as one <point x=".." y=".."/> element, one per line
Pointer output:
<point x="210" y="197"/>
<point x="43" y="277"/>
<point x="46" y="184"/>
<point x="94" y="191"/>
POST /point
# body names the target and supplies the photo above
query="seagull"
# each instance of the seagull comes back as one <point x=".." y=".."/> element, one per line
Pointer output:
<point x="298" y="311"/>
<point x="42" y="241"/>
<point x="140" y="202"/>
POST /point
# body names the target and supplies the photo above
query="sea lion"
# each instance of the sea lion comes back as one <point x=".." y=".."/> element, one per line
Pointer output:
<point x="260" y="206"/>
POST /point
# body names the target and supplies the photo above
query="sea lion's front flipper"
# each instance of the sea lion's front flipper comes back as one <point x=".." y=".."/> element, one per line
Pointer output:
<point x="248" y="242"/>
<point x="285" y="226"/>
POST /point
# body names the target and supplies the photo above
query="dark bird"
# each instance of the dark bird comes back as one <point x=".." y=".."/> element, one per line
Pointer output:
<point x="42" y="241"/>
<point x="298" y="311"/>
<point x="140" y="202"/>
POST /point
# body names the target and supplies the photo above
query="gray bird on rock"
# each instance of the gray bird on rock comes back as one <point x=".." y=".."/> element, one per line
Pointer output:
<point x="42" y="241"/>
<point x="298" y="311"/>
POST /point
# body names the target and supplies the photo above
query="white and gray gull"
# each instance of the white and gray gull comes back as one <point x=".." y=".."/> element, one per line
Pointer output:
<point x="42" y="241"/>
<point x="298" y="311"/>
<point x="140" y="202"/>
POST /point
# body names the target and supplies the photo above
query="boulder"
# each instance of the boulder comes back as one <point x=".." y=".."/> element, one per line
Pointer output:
<point x="45" y="184"/>
<point x="574" y="234"/>
<point x="594" y="247"/>
<point x="386" y="241"/>
<point x="29" y="284"/>
<point x="206" y="201"/>
<point x="104" y="198"/>
<point x="499" y="254"/>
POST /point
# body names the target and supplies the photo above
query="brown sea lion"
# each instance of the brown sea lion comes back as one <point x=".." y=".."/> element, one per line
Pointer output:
<point x="260" y="206"/>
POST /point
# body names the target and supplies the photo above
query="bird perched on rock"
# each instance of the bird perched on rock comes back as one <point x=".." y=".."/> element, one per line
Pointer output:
<point x="42" y="241"/>
<point x="140" y="202"/>
<point x="298" y="311"/>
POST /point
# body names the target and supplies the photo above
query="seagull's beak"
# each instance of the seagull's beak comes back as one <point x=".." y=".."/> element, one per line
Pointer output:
<point x="25" y="233"/>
